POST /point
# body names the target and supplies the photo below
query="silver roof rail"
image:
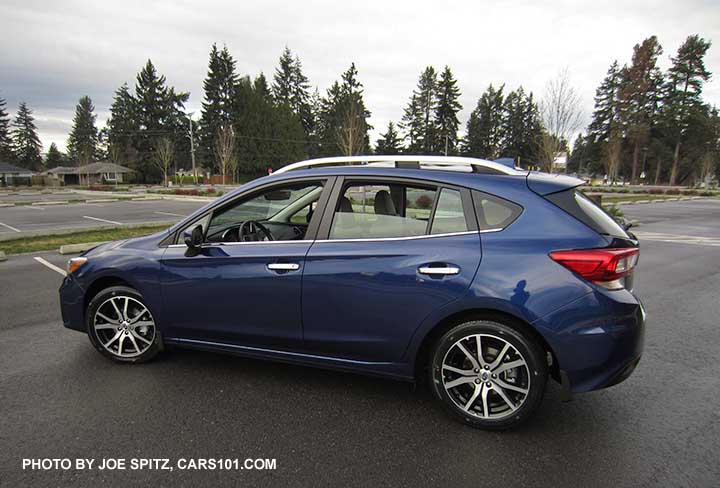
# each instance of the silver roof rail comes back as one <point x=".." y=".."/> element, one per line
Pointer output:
<point x="447" y="163"/>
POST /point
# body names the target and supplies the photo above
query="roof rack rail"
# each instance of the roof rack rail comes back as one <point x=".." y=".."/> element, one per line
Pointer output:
<point x="447" y="163"/>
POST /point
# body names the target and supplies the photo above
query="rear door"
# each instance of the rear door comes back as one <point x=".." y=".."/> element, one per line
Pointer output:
<point x="389" y="252"/>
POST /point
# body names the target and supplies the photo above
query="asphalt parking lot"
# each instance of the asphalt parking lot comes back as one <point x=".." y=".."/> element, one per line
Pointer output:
<point x="25" y="218"/>
<point x="661" y="427"/>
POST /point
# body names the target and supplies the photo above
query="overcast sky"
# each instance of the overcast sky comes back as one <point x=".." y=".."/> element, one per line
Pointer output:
<point x="54" y="52"/>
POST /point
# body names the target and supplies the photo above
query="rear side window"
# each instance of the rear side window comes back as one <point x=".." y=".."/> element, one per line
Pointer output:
<point x="588" y="212"/>
<point x="494" y="213"/>
<point x="382" y="210"/>
<point x="449" y="214"/>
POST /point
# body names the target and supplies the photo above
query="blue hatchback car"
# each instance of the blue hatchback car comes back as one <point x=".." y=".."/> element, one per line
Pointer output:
<point x="481" y="278"/>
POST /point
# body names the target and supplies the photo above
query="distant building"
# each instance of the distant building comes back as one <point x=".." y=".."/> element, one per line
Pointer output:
<point x="90" y="174"/>
<point x="560" y="162"/>
<point x="14" y="175"/>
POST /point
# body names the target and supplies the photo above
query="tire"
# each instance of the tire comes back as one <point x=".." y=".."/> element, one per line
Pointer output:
<point x="491" y="392"/>
<point x="123" y="333"/>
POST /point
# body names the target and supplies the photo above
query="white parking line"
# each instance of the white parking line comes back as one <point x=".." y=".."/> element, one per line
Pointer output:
<point x="169" y="213"/>
<point x="10" y="227"/>
<point x="102" y="220"/>
<point x="50" y="265"/>
<point x="31" y="207"/>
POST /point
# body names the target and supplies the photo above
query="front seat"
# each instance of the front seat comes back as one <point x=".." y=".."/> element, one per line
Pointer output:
<point x="346" y="205"/>
<point x="384" y="204"/>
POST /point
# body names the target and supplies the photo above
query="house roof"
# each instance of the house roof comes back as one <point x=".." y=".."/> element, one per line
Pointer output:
<point x="92" y="168"/>
<point x="7" y="168"/>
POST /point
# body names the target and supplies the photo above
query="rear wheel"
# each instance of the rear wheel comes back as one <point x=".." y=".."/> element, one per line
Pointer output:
<point x="121" y="326"/>
<point x="488" y="374"/>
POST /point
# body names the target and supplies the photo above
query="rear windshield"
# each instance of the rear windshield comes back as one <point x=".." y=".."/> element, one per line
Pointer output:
<point x="585" y="210"/>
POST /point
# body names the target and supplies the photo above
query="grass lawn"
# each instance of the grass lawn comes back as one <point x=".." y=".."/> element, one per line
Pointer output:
<point x="634" y="198"/>
<point x="49" y="243"/>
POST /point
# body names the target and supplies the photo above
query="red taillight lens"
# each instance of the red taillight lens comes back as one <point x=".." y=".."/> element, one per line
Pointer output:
<point x="604" y="267"/>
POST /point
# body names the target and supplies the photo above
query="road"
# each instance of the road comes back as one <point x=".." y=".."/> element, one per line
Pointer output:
<point x="661" y="427"/>
<point x="18" y="219"/>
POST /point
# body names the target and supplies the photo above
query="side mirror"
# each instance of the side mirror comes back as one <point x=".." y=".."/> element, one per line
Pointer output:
<point x="194" y="238"/>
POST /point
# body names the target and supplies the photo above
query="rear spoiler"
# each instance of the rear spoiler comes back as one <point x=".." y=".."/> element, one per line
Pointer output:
<point x="546" y="183"/>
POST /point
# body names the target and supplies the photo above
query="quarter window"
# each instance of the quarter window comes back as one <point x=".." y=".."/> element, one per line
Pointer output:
<point x="494" y="213"/>
<point x="382" y="210"/>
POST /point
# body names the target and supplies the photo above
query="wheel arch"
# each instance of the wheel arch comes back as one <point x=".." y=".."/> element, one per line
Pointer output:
<point x="426" y="346"/>
<point x="99" y="285"/>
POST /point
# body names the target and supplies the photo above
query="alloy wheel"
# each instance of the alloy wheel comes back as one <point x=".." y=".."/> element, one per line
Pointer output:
<point x="124" y="326"/>
<point x="486" y="376"/>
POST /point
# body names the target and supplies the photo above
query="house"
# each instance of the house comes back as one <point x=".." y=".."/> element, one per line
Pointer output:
<point x="14" y="175"/>
<point x="91" y="174"/>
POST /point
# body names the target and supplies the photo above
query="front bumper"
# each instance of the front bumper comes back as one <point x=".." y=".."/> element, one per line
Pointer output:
<point x="597" y="340"/>
<point x="72" y="304"/>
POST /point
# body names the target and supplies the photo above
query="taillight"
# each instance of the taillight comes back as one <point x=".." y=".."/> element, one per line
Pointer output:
<point x="604" y="267"/>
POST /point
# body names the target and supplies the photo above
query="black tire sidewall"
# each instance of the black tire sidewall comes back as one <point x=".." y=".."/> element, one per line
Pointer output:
<point x="532" y="353"/>
<point x="95" y="303"/>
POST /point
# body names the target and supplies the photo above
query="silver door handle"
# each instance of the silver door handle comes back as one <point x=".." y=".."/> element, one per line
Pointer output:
<point x="448" y="270"/>
<point x="284" y="266"/>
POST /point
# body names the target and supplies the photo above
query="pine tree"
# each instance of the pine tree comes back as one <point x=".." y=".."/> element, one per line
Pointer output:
<point x="284" y="78"/>
<point x="26" y="143"/>
<point x="419" y="120"/>
<point x="683" y="101"/>
<point x="291" y="88"/>
<point x="605" y="114"/>
<point x="219" y="87"/>
<point x="446" y="113"/>
<point x="389" y="142"/>
<point x="485" y="133"/>
<point x="522" y="127"/>
<point x="159" y="115"/>
<point x="639" y="96"/>
<point x="122" y="128"/>
<point x="5" y="139"/>
<point x="83" y="140"/>
<point x="54" y="157"/>
<point x="344" y="117"/>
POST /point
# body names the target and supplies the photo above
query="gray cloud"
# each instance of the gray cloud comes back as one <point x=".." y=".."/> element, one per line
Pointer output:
<point x="52" y="53"/>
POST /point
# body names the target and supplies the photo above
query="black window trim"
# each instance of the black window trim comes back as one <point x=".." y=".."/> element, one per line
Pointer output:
<point x="342" y="182"/>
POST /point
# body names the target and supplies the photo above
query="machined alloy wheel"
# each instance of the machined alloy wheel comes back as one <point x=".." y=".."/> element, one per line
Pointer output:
<point x="490" y="374"/>
<point x="121" y="326"/>
<point x="486" y="376"/>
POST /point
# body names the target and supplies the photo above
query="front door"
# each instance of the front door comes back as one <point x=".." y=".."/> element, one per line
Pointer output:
<point x="243" y="285"/>
<point x="387" y="256"/>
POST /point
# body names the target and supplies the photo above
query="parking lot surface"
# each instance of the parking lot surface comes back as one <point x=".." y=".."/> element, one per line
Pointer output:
<point x="661" y="427"/>
<point x="18" y="219"/>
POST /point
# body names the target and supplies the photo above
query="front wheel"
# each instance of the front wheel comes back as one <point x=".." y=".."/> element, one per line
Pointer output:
<point x="121" y="326"/>
<point x="488" y="374"/>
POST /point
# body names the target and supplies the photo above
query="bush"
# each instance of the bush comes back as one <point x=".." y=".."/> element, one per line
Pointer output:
<point x="424" y="202"/>
<point x="187" y="180"/>
<point x="672" y="191"/>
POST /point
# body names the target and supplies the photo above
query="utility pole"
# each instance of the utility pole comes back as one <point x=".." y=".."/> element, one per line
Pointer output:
<point x="192" y="149"/>
<point x="446" y="144"/>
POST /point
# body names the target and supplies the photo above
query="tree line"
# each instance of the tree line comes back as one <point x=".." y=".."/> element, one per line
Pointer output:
<point x="646" y="124"/>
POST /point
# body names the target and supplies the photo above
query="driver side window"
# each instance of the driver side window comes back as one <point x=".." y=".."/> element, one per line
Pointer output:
<point x="273" y="208"/>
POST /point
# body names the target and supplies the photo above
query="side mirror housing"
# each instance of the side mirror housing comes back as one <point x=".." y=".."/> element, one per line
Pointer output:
<point x="194" y="238"/>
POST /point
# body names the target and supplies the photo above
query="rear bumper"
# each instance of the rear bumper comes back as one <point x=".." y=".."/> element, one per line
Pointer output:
<point x="72" y="305"/>
<point x="597" y="340"/>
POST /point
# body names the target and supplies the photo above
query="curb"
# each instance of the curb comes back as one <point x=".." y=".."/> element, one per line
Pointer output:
<point x="78" y="248"/>
<point x="2" y="256"/>
<point x="51" y="202"/>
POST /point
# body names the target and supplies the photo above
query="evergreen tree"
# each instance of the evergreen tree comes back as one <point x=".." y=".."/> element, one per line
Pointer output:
<point x="54" y="157"/>
<point x="683" y="101"/>
<point x="521" y="126"/>
<point x="419" y="119"/>
<point x="446" y="110"/>
<point x="26" y="143"/>
<point x="159" y="115"/>
<point x="485" y="132"/>
<point x="83" y="140"/>
<point x="122" y="128"/>
<point x="639" y="97"/>
<point x="219" y="87"/>
<point x="291" y="88"/>
<point x="389" y="142"/>
<point x="5" y="139"/>
<point x="605" y="113"/>
<point x="343" y="113"/>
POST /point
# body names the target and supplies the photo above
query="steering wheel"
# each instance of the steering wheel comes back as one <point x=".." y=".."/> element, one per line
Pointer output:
<point x="250" y="228"/>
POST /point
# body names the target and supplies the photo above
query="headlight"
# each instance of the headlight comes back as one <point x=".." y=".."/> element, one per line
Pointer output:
<point x="74" y="264"/>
